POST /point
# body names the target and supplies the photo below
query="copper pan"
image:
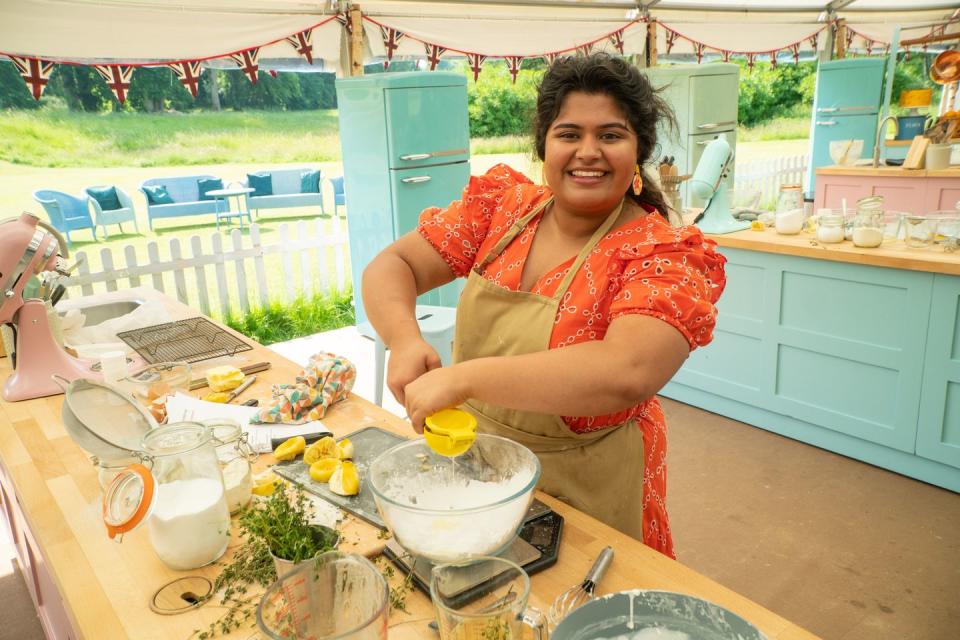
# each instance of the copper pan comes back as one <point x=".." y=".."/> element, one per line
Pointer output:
<point x="946" y="67"/>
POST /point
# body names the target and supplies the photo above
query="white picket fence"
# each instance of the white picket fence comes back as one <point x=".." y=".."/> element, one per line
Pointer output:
<point x="766" y="176"/>
<point x="308" y="257"/>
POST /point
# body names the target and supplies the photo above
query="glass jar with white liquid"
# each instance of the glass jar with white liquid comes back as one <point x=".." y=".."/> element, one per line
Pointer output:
<point x="182" y="498"/>
<point x="235" y="457"/>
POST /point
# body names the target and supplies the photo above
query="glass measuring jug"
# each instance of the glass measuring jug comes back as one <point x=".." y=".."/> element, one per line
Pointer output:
<point x="181" y="498"/>
<point x="338" y="596"/>
<point x="484" y="598"/>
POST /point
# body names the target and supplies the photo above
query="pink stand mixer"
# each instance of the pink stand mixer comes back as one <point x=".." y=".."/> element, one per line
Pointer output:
<point x="29" y="247"/>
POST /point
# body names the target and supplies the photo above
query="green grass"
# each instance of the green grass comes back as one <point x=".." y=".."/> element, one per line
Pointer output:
<point x="794" y="125"/>
<point x="279" y="322"/>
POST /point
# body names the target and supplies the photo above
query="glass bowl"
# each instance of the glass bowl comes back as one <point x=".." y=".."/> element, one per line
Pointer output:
<point x="152" y="385"/>
<point x="448" y="509"/>
<point x="919" y="231"/>
<point x="845" y="152"/>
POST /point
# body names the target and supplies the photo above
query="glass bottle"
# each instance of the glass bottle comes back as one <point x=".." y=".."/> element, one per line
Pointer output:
<point x="235" y="457"/>
<point x="182" y="498"/>
<point x="868" y="224"/>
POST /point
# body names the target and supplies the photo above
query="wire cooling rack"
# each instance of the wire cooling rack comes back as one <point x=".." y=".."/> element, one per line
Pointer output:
<point x="190" y="340"/>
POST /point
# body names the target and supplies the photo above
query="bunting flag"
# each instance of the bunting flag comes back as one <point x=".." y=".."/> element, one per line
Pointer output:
<point x="698" y="50"/>
<point x="344" y="21"/>
<point x="773" y="59"/>
<point x="585" y="49"/>
<point x="671" y="39"/>
<point x="751" y="59"/>
<point x="247" y="61"/>
<point x="869" y="45"/>
<point x="616" y="38"/>
<point x="513" y="64"/>
<point x="391" y="40"/>
<point x="725" y="55"/>
<point x="273" y="73"/>
<point x="35" y="72"/>
<point x="476" y="61"/>
<point x="551" y="57"/>
<point x="795" y="51"/>
<point x="434" y="51"/>
<point x="303" y="43"/>
<point x="117" y="77"/>
<point x="188" y="72"/>
<point x="849" y="38"/>
<point x="813" y="40"/>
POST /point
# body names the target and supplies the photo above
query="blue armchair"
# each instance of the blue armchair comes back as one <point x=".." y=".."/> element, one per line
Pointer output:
<point x="67" y="213"/>
<point x="102" y="217"/>
<point x="339" y="195"/>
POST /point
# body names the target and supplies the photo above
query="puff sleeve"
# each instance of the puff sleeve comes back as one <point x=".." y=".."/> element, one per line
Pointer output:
<point x="677" y="279"/>
<point x="458" y="231"/>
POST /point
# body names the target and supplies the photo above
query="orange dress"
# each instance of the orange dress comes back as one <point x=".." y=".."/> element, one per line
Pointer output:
<point x="645" y="266"/>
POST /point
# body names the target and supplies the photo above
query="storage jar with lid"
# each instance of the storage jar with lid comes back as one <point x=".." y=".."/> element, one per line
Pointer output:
<point x="789" y="217"/>
<point x="236" y="457"/>
<point x="181" y="498"/>
<point x="830" y="227"/>
<point x="868" y="224"/>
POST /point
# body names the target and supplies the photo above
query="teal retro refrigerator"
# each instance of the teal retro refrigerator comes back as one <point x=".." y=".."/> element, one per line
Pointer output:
<point x="406" y="146"/>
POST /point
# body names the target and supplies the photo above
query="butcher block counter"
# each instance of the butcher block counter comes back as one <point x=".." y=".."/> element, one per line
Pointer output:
<point x="87" y="586"/>
<point x="849" y="349"/>
<point x="915" y="191"/>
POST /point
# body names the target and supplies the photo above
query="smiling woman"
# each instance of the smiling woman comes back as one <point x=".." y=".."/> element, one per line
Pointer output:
<point x="581" y="300"/>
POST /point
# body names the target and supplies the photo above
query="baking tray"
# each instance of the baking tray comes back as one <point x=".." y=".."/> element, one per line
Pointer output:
<point x="368" y="443"/>
<point x="189" y="340"/>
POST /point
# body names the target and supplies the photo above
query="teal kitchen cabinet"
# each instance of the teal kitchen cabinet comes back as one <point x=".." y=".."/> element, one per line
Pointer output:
<point x="704" y="97"/>
<point x="406" y="146"/>
<point x="846" y="106"/>
<point x="938" y="432"/>
<point x="858" y="359"/>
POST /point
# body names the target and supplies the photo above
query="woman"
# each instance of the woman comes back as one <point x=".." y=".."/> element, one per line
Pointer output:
<point x="581" y="301"/>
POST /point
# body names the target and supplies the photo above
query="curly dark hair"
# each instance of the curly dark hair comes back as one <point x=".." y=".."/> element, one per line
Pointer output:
<point x="601" y="73"/>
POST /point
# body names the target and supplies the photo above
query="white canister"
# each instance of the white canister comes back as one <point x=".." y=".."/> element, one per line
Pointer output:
<point x="938" y="157"/>
<point x="789" y="222"/>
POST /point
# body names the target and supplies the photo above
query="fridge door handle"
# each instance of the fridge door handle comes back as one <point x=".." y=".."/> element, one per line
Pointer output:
<point x="433" y="154"/>
<point x="415" y="179"/>
<point x="714" y="125"/>
<point x="416" y="156"/>
<point x="827" y="110"/>
<point x="826" y="123"/>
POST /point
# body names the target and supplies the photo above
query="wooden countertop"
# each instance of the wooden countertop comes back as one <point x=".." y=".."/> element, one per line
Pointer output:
<point x="892" y="253"/>
<point x="888" y="172"/>
<point x="106" y="586"/>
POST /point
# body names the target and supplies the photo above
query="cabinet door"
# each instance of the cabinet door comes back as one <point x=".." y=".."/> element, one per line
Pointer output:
<point x="938" y="433"/>
<point x="427" y="126"/>
<point x="713" y="103"/>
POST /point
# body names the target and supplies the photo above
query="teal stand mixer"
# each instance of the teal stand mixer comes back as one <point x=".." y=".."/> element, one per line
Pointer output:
<point x="707" y="184"/>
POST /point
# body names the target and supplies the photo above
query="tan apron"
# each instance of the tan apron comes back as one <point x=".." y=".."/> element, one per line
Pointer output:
<point x="599" y="473"/>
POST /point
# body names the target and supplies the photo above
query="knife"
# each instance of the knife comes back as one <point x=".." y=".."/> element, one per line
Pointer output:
<point x="240" y="389"/>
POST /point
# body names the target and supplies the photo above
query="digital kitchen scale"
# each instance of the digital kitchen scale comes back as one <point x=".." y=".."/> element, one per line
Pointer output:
<point x="536" y="548"/>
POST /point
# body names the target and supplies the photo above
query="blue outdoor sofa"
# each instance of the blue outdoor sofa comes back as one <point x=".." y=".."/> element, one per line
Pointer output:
<point x="185" y="193"/>
<point x="286" y="191"/>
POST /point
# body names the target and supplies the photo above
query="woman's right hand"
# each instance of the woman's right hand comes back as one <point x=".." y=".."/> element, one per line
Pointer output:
<point x="409" y="361"/>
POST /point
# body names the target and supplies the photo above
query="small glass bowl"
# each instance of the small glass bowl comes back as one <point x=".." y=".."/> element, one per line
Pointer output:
<point x="152" y="385"/>
<point x="919" y="231"/>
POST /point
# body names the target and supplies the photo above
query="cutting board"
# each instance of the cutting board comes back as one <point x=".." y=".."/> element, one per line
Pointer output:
<point x="363" y="526"/>
<point x="915" y="156"/>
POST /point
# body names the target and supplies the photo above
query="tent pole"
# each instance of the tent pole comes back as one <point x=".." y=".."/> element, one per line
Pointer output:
<point x="841" y="39"/>
<point x="356" y="41"/>
<point x="650" y="53"/>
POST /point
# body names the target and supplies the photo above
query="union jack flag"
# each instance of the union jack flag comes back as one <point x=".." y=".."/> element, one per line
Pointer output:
<point x="391" y="40"/>
<point x="117" y="77"/>
<point x="616" y="38"/>
<point x="247" y="61"/>
<point x="35" y="72"/>
<point x="513" y="64"/>
<point x="725" y="55"/>
<point x="434" y="51"/>
<point x="869" y="45"/>
<point x="751" y="60"/>
<point x="344" y="21"/>
<point x="671" y="39"/>
<point x="551" y="57"/>
<point x="773" y="59"/>
<point x="698" y="50"/>
<point x="795" y="50"/>
<point x="303" y="43"/>
<point x="585" y="49"/>
<point x="476" y="61"/>
<point x="813" y="40"/>
<point x="188" y="72"/>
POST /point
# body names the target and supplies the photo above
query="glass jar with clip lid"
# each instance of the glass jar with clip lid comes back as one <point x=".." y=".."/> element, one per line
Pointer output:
<point x="236" y="458"/>
<point x="868" y="224"/>
<point x="181" y="498"/>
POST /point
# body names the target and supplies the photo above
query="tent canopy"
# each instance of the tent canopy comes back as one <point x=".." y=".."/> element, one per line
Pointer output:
<point x="145" y="31"/>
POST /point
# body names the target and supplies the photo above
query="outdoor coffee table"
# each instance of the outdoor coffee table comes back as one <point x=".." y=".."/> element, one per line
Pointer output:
<point x="222" y="204"/>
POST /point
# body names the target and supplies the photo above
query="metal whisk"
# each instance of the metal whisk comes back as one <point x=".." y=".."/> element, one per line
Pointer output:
<point x="581" y="593"/>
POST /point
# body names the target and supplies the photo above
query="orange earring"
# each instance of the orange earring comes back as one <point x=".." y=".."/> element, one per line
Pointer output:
<point x="637" y="181"/>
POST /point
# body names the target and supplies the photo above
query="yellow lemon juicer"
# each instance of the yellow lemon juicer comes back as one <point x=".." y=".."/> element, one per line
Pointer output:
<point x="450" y="432"/>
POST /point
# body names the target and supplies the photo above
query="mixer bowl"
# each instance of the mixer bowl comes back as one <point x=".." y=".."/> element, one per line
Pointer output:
<point x="448" y="509"/>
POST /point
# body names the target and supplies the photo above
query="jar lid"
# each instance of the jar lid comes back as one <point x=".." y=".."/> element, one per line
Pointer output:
<point x="128" y="500"/>
<point x="870" y="202"/>
<point x="177" y="437"/>
<point x="831" y="219"/>
<point x="223" y="430"/>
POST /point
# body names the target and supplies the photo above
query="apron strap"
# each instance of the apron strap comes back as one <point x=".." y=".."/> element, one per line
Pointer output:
<point x="512" y="233"/>
<point x="598" y="235"/>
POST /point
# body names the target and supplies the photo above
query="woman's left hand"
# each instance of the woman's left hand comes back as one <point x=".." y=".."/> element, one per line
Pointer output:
<point x="442" y="388"/>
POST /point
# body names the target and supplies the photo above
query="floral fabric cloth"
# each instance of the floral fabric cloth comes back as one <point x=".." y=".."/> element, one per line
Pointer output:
<point x="325" y="380"/>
